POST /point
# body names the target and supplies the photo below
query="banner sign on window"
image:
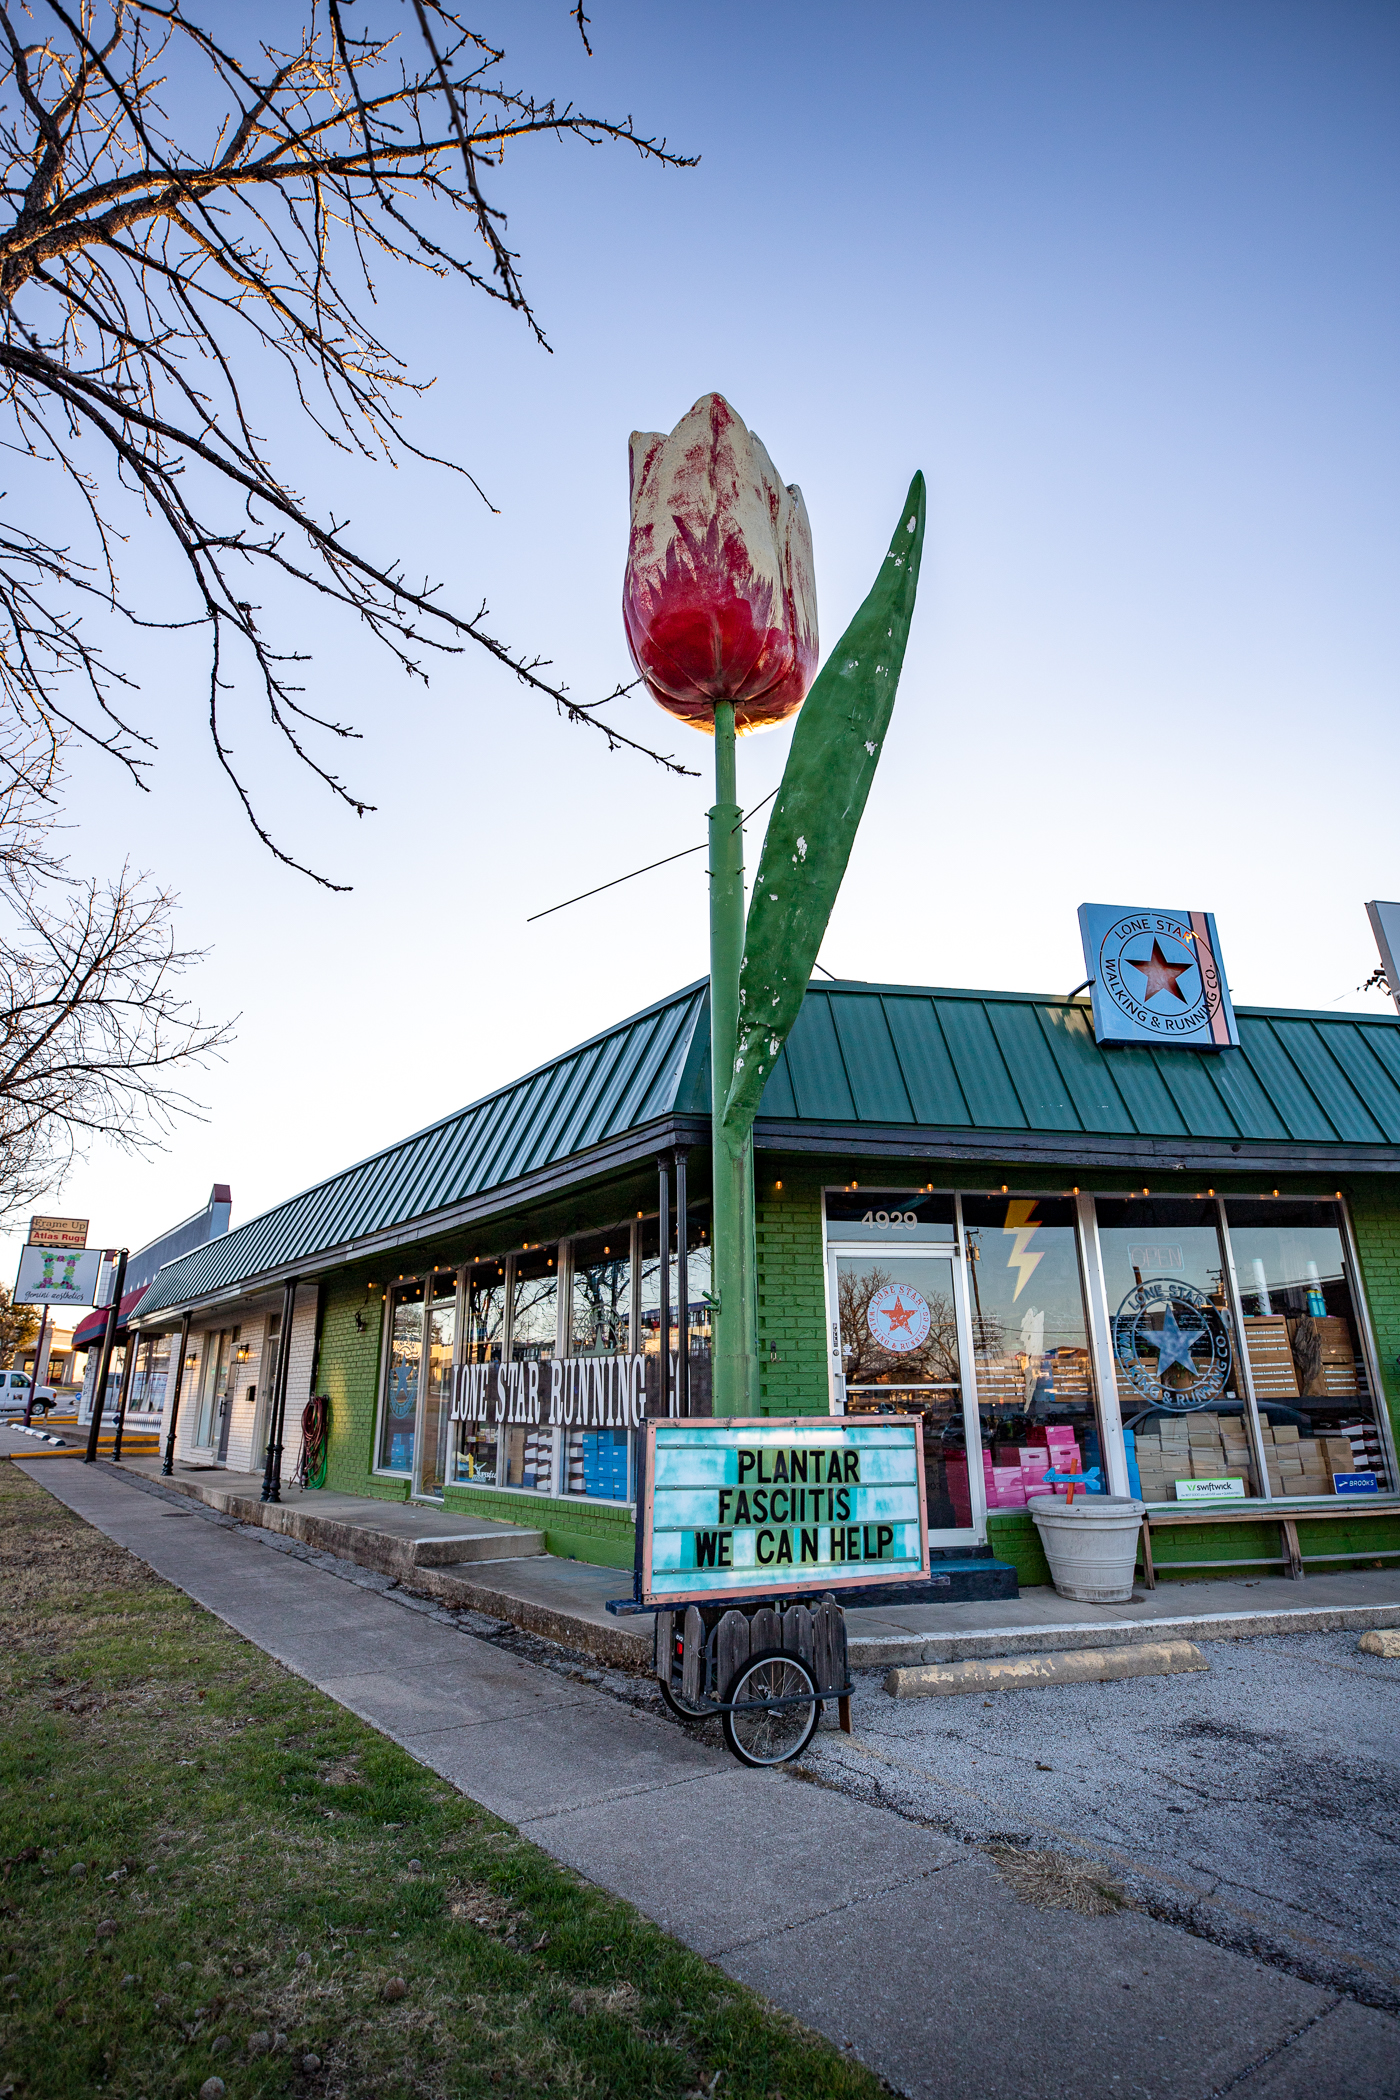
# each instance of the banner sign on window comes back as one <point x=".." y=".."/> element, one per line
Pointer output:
<point x="1157" y="978"/>
<point x="58" y="1275"/>
<point x="755" y="1508"/>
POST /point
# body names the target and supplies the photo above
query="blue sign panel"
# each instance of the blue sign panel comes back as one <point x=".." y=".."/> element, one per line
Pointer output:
<point x="1157" y="977"/>
<point x="757" y="1508"/>
<point x="1355" y="1483"/>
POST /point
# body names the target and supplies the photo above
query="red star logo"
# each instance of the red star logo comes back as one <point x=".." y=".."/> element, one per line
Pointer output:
<point x="1160" y="974"/>
<point x="899" y="1315"/>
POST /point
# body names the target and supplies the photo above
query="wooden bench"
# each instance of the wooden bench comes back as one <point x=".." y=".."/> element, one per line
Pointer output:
<point x="1249" y="1509"/>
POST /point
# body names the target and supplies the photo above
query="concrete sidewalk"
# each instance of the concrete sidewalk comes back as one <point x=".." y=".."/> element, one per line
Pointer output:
<point x="894" y="1940"/>
<point x="503" y="1570"/>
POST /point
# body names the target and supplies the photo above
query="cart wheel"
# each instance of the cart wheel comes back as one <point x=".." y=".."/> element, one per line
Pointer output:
<point x="762" y="1734"/>
<point x="682" y="1708"/>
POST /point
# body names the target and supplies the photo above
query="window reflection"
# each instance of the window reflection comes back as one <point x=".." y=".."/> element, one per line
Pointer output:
<point x="528" y="1448"/>
<point x="1303" y="1337"/>
<point x="482" y="1343"/>
<point x="405" y="1357"/>
<point x="600" y="1294"/>
<point x="1035" y="1379"/>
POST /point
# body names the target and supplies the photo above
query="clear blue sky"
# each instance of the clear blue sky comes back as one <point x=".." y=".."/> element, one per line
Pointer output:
<point x="1120" y="277"/>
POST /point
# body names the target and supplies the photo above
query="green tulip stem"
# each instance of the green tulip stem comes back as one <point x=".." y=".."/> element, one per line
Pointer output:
<point x="735" y="1358"/>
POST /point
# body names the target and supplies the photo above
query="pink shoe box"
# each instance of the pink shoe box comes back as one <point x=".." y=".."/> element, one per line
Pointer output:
<point x="1005" y="1490"/>
<point x="1035" y="1462"/>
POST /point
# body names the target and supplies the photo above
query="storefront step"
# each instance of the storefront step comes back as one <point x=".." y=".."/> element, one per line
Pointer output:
<point x="394" y="1538"/>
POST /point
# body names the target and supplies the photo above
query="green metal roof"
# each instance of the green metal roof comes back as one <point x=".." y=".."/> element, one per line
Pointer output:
<point x="1012" y="1066"/>
<point x="867" y="1069"/>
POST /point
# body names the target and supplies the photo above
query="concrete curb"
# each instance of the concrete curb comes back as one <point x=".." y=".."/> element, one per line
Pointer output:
<point x="626" y="1644"/>
<point x="1027" y="1672"/>
<point x="880" y="1651"/>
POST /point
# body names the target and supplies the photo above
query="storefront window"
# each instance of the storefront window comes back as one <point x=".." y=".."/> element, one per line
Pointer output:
<point x="148" y="1380"/>
<point x="895" y="1320"/>
<point x="595" y="1462"/>
<point x="698" y="1285"/>
<point x="402" y="1373"/>
<point x="483" y="1343"/>
<point x="437" y="1382"/>
<point x="600" y="1294"/>
<point x="889" y="1217"/>
<point x="1030" y="1338"/>
<point x="1306" y="1359"/>
<point x="1174" y="1344"/>
<point x="528" y="1456"/>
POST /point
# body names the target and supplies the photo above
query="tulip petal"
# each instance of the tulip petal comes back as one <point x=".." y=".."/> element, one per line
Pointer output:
<point x="718" y="600"/>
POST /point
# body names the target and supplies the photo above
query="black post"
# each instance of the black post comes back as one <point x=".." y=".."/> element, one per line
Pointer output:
<point x="272" y="1472"/>
<point x="168" y="1463"/>
<point x="34" y="1374"/>
<point x="682" y="1288"/>
<point x="105" y="1361"/>
<point x="133" y="1343"/>
<point x="664" y="1243"/>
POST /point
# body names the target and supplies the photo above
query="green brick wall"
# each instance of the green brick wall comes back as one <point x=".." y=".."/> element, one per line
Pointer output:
<point x="791" y="1296"/>
<point x="348" y="1373"/>
<point x="1375" y="1217"/>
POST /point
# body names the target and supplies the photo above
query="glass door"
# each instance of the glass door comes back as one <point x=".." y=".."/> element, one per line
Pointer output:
<point x="399" y="1414"/>
<point x="212" y="1385"/>
<point x="900" y="1342"/>
<point x="436" y="1402"/>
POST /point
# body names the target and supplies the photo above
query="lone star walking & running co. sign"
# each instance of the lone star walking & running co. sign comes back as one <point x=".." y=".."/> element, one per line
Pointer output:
<point x="1157" y="978"/>
<point x="1171" y="1344"/>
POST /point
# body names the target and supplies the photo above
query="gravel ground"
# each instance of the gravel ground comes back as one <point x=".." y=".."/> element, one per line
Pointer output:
<point x="1257" y="1805"/>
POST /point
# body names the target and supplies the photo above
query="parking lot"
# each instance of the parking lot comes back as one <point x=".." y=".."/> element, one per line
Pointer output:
<point x="1257" y="1803"/>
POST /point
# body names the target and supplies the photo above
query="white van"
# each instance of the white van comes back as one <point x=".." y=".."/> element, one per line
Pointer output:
<point x="14" y="1394"/>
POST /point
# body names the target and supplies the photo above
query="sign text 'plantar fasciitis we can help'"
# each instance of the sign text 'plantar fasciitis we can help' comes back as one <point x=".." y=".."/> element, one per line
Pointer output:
<point x="757" y="1508"/>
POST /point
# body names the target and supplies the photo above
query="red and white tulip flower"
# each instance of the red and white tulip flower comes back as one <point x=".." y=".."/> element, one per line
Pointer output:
<point x="720" y="598"/>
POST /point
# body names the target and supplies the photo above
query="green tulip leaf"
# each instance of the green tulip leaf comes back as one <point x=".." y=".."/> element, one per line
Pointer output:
<point x="836" y="747"/>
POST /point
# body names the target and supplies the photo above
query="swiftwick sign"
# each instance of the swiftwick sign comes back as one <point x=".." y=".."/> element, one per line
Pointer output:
<point x="759" y="1508"/>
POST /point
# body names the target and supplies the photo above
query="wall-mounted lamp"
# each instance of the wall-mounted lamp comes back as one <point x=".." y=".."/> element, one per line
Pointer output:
<point x="242" y="1353"/>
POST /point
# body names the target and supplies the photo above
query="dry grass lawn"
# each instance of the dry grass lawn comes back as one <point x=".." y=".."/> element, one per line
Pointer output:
<point x="212" y="1871"/>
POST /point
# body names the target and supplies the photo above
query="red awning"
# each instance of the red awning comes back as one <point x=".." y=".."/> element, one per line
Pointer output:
<point x="88" y="1332"/>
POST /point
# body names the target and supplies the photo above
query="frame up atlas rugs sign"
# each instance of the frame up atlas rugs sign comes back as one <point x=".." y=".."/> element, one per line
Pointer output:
<point x="1157" y="978"/>
<point x="758" y="1508"/>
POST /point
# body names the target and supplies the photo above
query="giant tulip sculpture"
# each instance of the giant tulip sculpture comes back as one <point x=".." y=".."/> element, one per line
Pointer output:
<point x="719" y="604"/>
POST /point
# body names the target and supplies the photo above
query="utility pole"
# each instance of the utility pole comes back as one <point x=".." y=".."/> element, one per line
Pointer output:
<point x="109" y="1336"/>
<point x="34" y="1374"/>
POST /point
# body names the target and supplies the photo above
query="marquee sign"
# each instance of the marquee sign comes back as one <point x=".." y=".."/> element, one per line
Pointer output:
<point x="739" y="1508"/>
<point x="1157" y="978"/>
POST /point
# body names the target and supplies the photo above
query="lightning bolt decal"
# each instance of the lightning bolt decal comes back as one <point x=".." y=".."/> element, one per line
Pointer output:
<point x="1022" y="1225"/>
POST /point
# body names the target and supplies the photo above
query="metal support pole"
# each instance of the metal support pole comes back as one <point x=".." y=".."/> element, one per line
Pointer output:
<point x="735" y="1361"/>
<point x="34" y="1374"/>
<point x="133" y="1343"/>
<point x="682" y="1288"/>
<point x="168" y="1463"/>
<point x="664" y="1244"/>
<point x="104" y="1365"/>
<point x="272" y="1472"/>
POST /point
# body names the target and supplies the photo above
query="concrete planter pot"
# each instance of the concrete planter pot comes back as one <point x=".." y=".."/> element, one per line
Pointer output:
<point x="1091" y="1544"/>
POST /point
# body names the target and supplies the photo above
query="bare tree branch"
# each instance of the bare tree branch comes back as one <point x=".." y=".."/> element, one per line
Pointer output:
<point x="146" y="278"/>
<point x="95" y="1032"/>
